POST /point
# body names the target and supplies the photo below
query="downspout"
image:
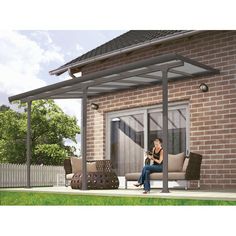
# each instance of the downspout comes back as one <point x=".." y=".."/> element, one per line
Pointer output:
<point x="71" y="74"/>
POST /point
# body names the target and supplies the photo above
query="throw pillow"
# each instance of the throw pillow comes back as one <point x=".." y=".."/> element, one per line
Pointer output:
<point x="175" y="162"/>
<point x="91" y="167"/>
<point x="76" y="164"/>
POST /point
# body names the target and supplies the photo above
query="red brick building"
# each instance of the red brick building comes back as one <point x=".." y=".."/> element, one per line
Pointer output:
<point x="212" y="115"/>
<point x="127" y="121"/>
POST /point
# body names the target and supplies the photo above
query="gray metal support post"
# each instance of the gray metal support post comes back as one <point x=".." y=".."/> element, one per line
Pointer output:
<point x="165" y="129"/>
<point x="145" y="122"/>
<point x="164" y="71"/>
<point x="29" y="143"/>
<point x="84" y="139"/>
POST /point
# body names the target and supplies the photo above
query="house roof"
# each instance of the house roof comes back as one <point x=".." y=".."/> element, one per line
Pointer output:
<point x="127" y="41"/>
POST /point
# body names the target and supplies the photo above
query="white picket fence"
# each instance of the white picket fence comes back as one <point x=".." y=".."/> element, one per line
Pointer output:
<point x="15" y="175"/>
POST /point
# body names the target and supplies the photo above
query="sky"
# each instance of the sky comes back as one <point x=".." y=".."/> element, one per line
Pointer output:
<point x="26" y="57"/>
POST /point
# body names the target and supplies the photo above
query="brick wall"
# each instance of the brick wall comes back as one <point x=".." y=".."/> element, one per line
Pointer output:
<point x="212" y="114"/>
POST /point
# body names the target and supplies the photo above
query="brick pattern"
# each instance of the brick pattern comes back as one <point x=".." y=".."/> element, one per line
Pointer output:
<point x="212" y="114"/>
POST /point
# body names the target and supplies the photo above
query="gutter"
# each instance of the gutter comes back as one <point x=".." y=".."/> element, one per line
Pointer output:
<point x="60" y="71"/>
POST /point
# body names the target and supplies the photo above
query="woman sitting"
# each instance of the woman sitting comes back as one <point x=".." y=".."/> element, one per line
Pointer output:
<point x="157" y="166"/>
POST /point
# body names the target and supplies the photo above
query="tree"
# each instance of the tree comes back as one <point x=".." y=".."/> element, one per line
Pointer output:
<point x="12" y="136"/>
<point x="4" y="108"/>
<point x="50" y="126"/>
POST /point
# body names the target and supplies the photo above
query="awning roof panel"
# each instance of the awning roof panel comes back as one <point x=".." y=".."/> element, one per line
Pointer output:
<point x="140" y="73"/>
<point x="173" y="75"/>
<point x="191" y="69"/>
<point x="136" y="79"/>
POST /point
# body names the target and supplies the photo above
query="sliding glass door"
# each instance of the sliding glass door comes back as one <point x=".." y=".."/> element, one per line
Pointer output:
<point x="177" y="133"/>
<point x="130" y="133"/>
<point x="127" y="143"/>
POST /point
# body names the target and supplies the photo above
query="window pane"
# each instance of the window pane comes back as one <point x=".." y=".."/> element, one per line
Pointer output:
<point x="176" y="129"/>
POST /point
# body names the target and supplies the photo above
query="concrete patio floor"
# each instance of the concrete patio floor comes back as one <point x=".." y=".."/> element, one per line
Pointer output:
<point x="229" y="195"/>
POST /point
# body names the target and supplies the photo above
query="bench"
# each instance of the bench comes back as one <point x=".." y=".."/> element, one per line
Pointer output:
<point x="180" y="167"/>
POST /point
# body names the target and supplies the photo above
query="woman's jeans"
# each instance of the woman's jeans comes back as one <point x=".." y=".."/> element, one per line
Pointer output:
<point x="145" y="175"/>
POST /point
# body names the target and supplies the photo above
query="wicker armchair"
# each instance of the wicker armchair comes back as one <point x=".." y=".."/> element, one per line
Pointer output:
<point x="101" y="176"/>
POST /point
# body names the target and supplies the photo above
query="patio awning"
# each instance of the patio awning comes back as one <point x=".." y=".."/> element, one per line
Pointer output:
<point x="138" y="74"/>
<point x="156" y="70"/>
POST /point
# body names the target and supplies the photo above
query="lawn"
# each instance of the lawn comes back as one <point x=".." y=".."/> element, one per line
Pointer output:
<point x="41" y="199"/>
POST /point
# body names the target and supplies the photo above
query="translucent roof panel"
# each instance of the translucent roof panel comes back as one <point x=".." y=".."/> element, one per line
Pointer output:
<point x="119" y="84"/>
<point x="190" y="69"/>
<point x="100" y="88"/>
<point x="173" y="75"/>
<point x="136" y="79"/>
<point x="127" y="76"/>
<point x="156" y="73"/>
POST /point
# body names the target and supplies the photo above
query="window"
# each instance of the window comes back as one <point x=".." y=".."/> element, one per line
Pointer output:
<point x="131" y="133"/>
<point x="176" y="129"/>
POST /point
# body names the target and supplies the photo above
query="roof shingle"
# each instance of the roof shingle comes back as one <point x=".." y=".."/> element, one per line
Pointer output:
<point x="130" y="38"/>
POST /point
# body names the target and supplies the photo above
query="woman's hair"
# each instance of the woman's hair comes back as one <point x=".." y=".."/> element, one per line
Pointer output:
<point x="158" y="139"/>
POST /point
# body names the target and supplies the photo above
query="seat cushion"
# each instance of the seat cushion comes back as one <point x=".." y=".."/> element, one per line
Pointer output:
<point x="171" y="176"/>
<point x="156" y="176"/>
<point x="132" y="176"/>
<point x="69" y="176"/>
<point x="175" y="162"/>
<point x="176" y="175"/>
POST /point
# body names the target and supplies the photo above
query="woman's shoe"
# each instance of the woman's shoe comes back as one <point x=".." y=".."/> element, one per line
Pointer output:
<point x="138" y="185"/>
<point x="146" y="192"/>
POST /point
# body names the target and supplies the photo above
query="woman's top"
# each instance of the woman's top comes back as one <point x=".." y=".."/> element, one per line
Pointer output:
<point x="156" y="156"/>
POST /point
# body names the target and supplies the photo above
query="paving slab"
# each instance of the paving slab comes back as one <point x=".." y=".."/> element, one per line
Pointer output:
<point x="229" y="195"/>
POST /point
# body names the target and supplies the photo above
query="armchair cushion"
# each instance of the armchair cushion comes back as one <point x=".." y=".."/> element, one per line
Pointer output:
<point x="76" y="164"/>
<point x="91" y="167"/>
<point x="175" y="162"/>
<point x="69" y="176"/>
<point x="186" y="160"/>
